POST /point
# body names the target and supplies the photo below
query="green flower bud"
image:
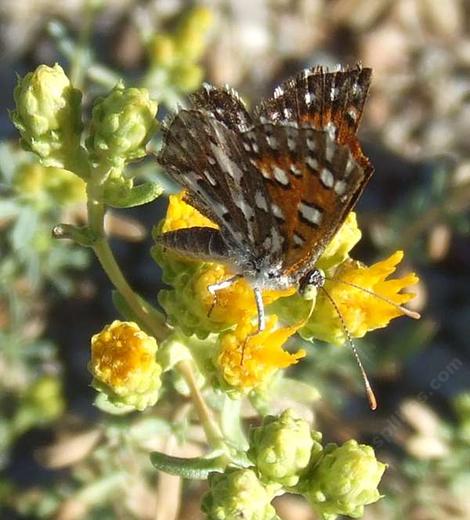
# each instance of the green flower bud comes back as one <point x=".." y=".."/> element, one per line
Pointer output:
<point x="124" y="366"/>
<point x="344" y="480"/>
<point x="237" y="493"/>
<point x="182" y="305"/>
<point x="48" y="115"/>
<point x="122" y="124"/>
<point x="282" y="447"/>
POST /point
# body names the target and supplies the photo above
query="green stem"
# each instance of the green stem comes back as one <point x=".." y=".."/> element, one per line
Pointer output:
<point x="78" y="62"/>
<point x="213" y="434"/>
<point x="158" y="328"/>
<point x="111" y="267"/>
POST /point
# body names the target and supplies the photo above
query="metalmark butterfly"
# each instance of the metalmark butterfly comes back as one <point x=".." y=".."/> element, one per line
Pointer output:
<point x="278" y="182"/>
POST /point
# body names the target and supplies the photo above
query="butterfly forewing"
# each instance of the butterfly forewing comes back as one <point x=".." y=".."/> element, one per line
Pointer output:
<point x="224" y="104"/>
<point x="316" y="98"/>
<point x="209" y="160"/>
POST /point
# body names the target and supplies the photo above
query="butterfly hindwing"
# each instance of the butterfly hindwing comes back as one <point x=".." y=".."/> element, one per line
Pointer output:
<point x="312" y="182"/>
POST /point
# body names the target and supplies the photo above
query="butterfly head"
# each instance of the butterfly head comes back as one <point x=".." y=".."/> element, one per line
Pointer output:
<point x="310" y="282"/>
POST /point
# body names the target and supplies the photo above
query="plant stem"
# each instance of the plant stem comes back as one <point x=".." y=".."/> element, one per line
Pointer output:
<point x="213" y="434"/>
<point x="112" y="269"/>
<point x="150" y="321"/>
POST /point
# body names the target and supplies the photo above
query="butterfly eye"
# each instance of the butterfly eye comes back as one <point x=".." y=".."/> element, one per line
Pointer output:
<point x="310" y="282"/>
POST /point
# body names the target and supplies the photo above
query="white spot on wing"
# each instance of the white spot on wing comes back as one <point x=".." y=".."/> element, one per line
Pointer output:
<point x="287" y="113"/>
<point x="352" y="112"/>
<point x="281" y="176"/>
<point x="278" y="92"/>
<point x="330" y="150"/>
<point x="330" y="127"/>
<point x="260" y="201"/>
<point x="356" y="89"/>
<point x="209" y="177"/>
<point x="312" y="162"/>
<point x="277" y="211"/>
<point x="349" y="167"/>
<point x="334" y="93"/>
<point x="309" y="97"/>
<point x="310" y="214"/>
<point x="226" y="164"/>
<point x="272" y="142"/>
<point x="265" y="172"/>
<point x="295" y="170"/>
<point x="327" y="178"/>
<point x="291" y="144"/>
<point x="340" y="187"/>
<point x="311" y="144"/>
<point x="298" y="240"/>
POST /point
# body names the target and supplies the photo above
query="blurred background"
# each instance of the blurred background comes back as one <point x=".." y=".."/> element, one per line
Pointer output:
<point x="62" y="458"/>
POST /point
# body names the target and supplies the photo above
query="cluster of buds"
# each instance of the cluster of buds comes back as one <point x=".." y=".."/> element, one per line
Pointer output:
<point x="48" y="116"/>
<point x="288" y="456"/>
<point x="177" y="54"/>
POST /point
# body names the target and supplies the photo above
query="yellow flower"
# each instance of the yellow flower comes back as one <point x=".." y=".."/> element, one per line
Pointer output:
<point x="361" y="310"/>
<point x="341" y="244"/>
<point x="180" y="215"/>
<point x="248" y="359"/>
<point x="190" y="304"/>
<point x="123" y="365"/>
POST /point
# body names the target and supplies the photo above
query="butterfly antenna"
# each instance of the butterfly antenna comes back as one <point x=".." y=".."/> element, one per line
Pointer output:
<point x="404" y="310"/>
<point x="370" y="393"/>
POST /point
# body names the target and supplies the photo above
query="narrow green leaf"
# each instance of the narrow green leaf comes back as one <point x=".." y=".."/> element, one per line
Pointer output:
<point x="135" y="196"/>
<point x="195" y="468"/>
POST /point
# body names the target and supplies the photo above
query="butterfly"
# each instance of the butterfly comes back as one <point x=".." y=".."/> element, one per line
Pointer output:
<point x="278" y="182"/>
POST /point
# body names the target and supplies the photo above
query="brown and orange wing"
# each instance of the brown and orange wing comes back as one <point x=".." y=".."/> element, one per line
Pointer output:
<point x="324" y="100"/>
<point x="312" y="182"/>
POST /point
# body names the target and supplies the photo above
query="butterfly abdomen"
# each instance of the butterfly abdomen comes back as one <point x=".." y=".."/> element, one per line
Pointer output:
<point x="201" y="243"/>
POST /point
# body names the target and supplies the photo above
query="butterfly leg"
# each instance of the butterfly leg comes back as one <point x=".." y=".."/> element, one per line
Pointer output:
<point x="260" y="309"/>
<point x="215" y="287"/>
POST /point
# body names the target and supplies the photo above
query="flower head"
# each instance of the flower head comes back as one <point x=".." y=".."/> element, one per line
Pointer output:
<point x="351" y="289"/>
<point x="248" y="359"/>
<point x="282" y="447"/>
<point x="124" y="367"/>
<point x="344" y="480"/>
<point x="337" y="251"/>
<point x="237" y="493"/>
<point x="122" y="123"/>
<point x="48" y="115"/>
<point x="190" y="304"/>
